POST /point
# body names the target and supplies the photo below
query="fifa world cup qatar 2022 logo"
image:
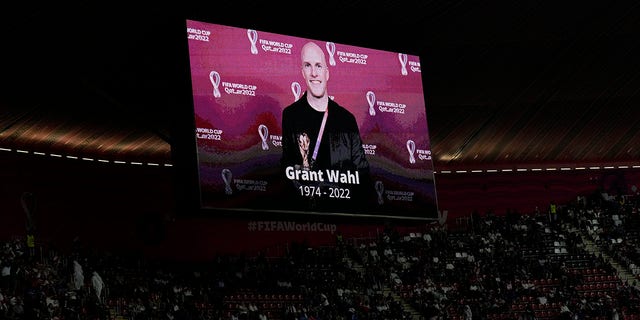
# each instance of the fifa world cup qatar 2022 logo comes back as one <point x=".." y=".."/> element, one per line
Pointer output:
<point x="226" y="178"/>
<point x="214" y="77"/>
<point x="253" y="39"/>
<point x="263" y="131"/>
<point x="411" y="147"/>
<point x="371" y="100"/>
<point x="331" y="49"/>
<point x="379" y="186"/>
<point x="295" y="89"/>
<point x="403" y="63"/>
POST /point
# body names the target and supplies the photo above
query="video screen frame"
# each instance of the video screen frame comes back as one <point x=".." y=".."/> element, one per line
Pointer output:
<point x="242" y="80"/>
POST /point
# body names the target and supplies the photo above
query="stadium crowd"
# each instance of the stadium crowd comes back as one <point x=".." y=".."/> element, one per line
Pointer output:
<point x="567" y="263"/>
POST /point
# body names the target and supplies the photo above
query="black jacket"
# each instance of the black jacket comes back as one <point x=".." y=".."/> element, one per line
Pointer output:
<point x="340" y="148"/>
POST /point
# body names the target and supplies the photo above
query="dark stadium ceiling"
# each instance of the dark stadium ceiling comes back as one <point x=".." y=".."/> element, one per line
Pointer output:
<point x="509" y="83"/>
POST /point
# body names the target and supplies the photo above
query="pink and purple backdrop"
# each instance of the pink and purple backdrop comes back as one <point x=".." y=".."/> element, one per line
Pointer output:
<point x="242" y="79"/>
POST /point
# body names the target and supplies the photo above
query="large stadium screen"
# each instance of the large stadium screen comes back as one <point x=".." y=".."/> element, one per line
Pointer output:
<point x="363" y="108"/>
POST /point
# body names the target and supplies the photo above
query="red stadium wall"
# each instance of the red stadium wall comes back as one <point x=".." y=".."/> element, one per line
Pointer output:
<point x="133" y="208"/>
<point x="461" y="194"/>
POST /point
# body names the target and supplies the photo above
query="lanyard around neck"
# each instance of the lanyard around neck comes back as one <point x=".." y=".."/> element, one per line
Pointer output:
<point x="324" y="121"/>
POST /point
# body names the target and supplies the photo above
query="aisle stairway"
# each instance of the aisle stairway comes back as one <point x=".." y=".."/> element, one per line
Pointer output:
<point x="415" y="314"/>
<point x="386" y="290"/>
<point x="623" y="272"/>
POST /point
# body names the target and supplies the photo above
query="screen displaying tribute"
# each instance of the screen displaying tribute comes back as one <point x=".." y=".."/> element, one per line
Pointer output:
<point x="293" y="125"/>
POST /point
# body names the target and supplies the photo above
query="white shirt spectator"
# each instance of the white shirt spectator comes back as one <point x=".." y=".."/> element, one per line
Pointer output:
<point x="468" y="315"/>
<point x="6" y="271"/>
<point x="78" y="275"/>
<point x="98" y="284"/>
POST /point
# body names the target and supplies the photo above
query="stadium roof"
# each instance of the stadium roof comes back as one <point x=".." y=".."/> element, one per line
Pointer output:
<point x="507" y="82"/>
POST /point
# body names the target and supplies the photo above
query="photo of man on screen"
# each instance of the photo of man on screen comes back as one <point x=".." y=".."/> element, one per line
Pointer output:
<point x="322" y="152"/>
